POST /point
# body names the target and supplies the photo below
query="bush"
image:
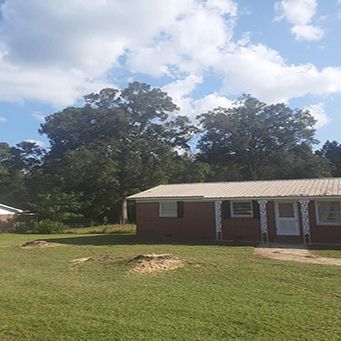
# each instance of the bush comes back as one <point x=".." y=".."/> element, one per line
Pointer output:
<point x="49" y="226"/>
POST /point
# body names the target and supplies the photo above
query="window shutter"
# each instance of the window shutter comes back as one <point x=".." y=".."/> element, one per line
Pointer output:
<point x="226" y="209"/>
<point x="180" y="209"/>
<point x="256" y="213"/>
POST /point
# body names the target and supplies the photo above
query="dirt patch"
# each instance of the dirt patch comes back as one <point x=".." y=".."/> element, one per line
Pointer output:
<point x="151" y="263"/>
<point x="99" y="259"/>
<point x="37" y="244"/>
<point x="296" y="255"/>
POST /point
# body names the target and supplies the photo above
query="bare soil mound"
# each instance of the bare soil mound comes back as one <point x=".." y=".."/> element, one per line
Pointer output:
<point x="37" y="244"/>
<point x="150" y="263"/>
<point x="296" y="254"/>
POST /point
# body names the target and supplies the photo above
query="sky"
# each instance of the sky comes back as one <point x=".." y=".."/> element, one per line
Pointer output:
<point x="204" y="53"/>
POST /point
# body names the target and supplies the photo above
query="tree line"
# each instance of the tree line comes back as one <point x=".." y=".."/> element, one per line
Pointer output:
<point x="124" y="141"/>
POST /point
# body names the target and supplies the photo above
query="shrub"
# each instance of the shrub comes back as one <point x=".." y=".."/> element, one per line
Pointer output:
<point x="49" y="226"/>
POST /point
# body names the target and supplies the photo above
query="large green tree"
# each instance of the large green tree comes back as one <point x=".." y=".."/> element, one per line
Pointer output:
<point x="253" y="140"/>
<point x="118" y="143"/>
<point x="331" y="151"/>
<point x="16" y="165"/>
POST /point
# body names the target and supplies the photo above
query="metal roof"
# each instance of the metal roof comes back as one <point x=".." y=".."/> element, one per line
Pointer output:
<point x="325" y="187"/>
<point x="11" y="209"/>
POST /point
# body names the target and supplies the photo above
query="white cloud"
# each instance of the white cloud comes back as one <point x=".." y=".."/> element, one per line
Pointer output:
<point x="39" y="117"/>
<point x="210" y="102"/>
<point x="307" y="32"/>
<point x="3" y="119"/>
<point x="37" y="142"/>
<point x="261" y="71"/>
<point x="181" y="90"/>
<point x="300" y="13"/>
<point x="57" y="52"/>
<point x="318" y="112"/>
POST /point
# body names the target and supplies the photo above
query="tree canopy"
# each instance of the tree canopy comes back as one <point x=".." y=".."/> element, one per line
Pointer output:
<point x="124" y="141"/>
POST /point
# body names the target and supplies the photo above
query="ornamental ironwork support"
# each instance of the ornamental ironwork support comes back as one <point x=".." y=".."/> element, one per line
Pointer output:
<point x="263" y="221"/>
<point x="304" y="203"/>
<point x="218" y="222"/>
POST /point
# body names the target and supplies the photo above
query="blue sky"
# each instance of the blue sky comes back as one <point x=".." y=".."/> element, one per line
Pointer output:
<point x="203" y="53"/>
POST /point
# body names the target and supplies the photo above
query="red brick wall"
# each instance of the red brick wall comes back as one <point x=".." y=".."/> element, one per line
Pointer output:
<point x="197" y="223"/>
<point x="6" y="217"/>
<point x="244" y="229"/>
<point x="322" y="233"/>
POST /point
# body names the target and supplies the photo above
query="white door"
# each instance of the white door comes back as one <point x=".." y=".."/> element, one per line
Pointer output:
<point x="287" y="218"/>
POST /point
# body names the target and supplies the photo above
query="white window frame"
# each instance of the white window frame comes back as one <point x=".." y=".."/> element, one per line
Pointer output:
<point x="323" y="223"/>
<point x="162" y="214"/>
<point x="244" y="215"/>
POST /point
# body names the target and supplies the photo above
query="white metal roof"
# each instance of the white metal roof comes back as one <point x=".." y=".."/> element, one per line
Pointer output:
<point x="10" y="209"/>
<point x="325" y="187"/>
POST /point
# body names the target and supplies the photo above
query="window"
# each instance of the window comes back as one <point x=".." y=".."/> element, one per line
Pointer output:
<point x="241" y="209"/>
<point x="169" y="209"/>
<point x="329" y="212"/>
<point x="286" y="210"/>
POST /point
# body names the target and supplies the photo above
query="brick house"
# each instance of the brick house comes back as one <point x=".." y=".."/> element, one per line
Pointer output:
<point x="7" y="212"/>
<point x="290" y="211"/>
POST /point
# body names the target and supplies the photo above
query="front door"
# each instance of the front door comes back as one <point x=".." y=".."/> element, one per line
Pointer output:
<point x="287" y="218"/>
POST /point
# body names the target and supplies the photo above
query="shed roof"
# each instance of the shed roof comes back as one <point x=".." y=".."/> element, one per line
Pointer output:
<point x="326" y="187"/>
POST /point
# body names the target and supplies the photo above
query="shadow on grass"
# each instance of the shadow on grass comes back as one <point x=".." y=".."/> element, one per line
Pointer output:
<point x="102" y="239"/>
<point x="128" y="239"/>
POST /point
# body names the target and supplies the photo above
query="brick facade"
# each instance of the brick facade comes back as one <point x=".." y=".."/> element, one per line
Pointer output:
<point x="6" y="217"/>
<point x="198" y="223"/>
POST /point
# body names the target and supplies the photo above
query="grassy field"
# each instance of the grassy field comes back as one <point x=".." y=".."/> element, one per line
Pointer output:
<point x="223" y="292"/>
<point x="116" y="228"/>
<point x="327" y="253"/>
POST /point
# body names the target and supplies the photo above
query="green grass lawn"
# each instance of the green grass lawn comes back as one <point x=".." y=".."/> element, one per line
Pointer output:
<point x="116" y="228"/>
<point x="327" y="253"/>
<point x="223" y="292"/>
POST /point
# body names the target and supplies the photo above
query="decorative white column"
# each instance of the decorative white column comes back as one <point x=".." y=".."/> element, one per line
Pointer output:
<point x="263" y="221"/>
<point x="305" y="220"/>
<point x="218" y="223"/>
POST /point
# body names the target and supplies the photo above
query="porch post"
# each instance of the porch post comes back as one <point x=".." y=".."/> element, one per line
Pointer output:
<point x="263" y="221"/>
<point x="218" y="223"/>
<point x="304" y="203"/>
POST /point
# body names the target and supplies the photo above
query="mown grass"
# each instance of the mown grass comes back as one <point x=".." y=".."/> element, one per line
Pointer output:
<point x="115" y="228"/>
<point x="222" y="293"/>
<point x="327" y="253"/>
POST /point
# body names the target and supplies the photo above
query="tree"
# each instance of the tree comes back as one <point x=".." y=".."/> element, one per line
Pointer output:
<point x="118" y="143"/>
<point x="253" y="140"/>
<point x="331" y="151"/>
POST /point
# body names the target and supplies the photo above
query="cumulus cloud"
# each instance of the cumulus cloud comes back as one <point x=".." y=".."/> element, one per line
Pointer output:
<point x="39" y="117"/>
<point x="319" y="113"/>
<point x="210" y="102"/>
<point x="37" y="142"/>
<point x="300" y="13"/>
<point x="261" y="71"/>
<point x="57" y="51"/>
<point x="3" y="119"/>
<point x="181" y="90"/>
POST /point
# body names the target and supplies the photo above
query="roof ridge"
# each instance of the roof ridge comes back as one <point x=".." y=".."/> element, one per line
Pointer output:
<point x="244" y="181"/>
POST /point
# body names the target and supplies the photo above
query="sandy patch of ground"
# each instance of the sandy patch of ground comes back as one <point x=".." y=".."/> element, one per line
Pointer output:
<point x="100" y="259"/>
<point x="152" y="263"/>
<point x="37" y="244"/>
<point x="295" y="254"/>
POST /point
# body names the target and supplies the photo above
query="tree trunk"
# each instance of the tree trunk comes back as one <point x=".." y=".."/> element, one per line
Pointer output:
<point x="124" y="212"/>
